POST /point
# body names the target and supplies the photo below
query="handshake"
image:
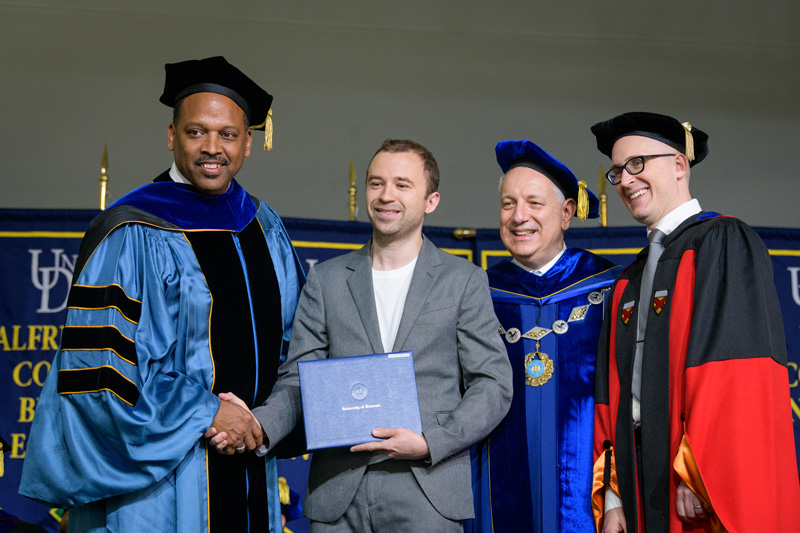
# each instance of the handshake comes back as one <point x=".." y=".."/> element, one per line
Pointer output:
<point x="234" y="429"/>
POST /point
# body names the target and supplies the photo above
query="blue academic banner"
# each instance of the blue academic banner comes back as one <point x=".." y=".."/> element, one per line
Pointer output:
<point x="38" y="250"/>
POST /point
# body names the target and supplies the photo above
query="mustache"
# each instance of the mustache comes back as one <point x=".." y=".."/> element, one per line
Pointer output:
<point x="207" y="159"/>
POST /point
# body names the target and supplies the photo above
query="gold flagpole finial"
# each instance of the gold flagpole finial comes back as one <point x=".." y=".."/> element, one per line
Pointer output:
<point x="104" y="178"/>
<point x="3" y="449"/>
<point x="465" y="233"/>
<point x="351" y="192"/>
<point x="601" y="188"/>
<point x="283" y="491"/>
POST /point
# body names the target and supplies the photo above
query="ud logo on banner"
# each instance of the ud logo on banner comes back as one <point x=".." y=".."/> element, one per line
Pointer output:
<point x="49" y="278"/>
<point x="793" y="272"/>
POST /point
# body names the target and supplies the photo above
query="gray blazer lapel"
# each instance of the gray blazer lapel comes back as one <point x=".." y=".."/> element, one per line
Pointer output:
<point x="425" y="274"/>
<point x="360" y="284"/>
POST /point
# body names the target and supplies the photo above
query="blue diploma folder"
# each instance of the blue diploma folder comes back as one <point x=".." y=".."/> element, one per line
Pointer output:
<point x="345" y="398"/>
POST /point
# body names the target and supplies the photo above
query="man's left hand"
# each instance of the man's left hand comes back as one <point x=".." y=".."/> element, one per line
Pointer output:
<point x="400" y="443"/>
<point x="689" y="507"/>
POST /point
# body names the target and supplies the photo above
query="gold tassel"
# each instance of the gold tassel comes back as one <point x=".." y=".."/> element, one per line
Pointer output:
<point x="689" y="141"/>
<point x="283" y="491"/>
<point x="268" y="132"/>
<point x="267" y="125"/>
<point x="583" y="201"/>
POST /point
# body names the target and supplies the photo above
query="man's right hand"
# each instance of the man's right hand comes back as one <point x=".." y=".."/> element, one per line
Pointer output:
<point x="614" y="521"/>
<point x="234" y="428"/>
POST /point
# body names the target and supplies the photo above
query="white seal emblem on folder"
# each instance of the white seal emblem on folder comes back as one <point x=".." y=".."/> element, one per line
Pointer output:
<point x="359" y="391"/>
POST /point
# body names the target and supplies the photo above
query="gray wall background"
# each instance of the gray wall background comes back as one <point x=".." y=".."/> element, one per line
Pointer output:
<point x="455" y="76"/>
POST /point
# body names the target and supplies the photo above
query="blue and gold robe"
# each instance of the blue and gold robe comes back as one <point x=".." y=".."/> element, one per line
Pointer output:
<point x="176" y="297"/>
<point x="534" y="472"/>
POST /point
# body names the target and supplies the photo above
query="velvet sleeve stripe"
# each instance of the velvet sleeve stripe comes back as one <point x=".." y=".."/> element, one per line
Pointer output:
<point x="99" y="338"/>
<point x="83" y="380"/>
<point x="109" y="296"/>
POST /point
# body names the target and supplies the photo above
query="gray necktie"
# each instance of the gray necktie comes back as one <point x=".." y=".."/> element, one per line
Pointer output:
<point x="645" y="296"/>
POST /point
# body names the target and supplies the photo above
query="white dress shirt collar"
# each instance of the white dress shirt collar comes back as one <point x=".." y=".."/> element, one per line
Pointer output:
<point x="677" y="216"/>
<point x="176" y="176"/>
<point x="543" y="270"/>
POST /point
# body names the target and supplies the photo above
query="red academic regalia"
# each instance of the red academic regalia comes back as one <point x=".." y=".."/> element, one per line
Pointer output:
<point x="715" y="407"/>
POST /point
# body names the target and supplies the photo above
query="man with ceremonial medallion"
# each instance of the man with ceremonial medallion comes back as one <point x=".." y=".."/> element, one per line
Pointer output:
<point x="533" y="473"/>
<point x="184" y="290"/>
<point x="399" y="293"/>
<point x="692" y="413"/>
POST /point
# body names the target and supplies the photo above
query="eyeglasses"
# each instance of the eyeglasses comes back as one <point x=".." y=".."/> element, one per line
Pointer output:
<point x="634" y="165"/>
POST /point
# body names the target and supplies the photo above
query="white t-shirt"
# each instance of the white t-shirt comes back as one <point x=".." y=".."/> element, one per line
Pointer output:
<point x="391" y="288"/>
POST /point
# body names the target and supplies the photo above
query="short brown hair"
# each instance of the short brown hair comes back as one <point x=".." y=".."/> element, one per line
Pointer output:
<point x="428" y="161"/>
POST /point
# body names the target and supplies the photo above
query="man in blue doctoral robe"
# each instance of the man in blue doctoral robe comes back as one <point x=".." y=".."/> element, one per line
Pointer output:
<point x="534" y="472"/>
<point x="183" y="289"/>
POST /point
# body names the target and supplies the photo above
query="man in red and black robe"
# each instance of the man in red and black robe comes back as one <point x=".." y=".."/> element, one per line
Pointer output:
<point x="707" y="443"/>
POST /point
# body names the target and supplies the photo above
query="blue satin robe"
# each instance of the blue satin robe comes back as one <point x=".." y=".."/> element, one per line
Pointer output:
<point x="135" y="459"/>
<point x="534" y="472"/>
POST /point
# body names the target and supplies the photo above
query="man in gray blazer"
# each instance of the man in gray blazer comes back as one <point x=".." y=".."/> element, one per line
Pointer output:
<point x="397" y="293"/>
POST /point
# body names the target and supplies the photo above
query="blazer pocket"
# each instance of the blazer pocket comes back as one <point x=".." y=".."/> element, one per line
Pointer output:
<point x="442" y="416"/>
<point x="436" y="305"/>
